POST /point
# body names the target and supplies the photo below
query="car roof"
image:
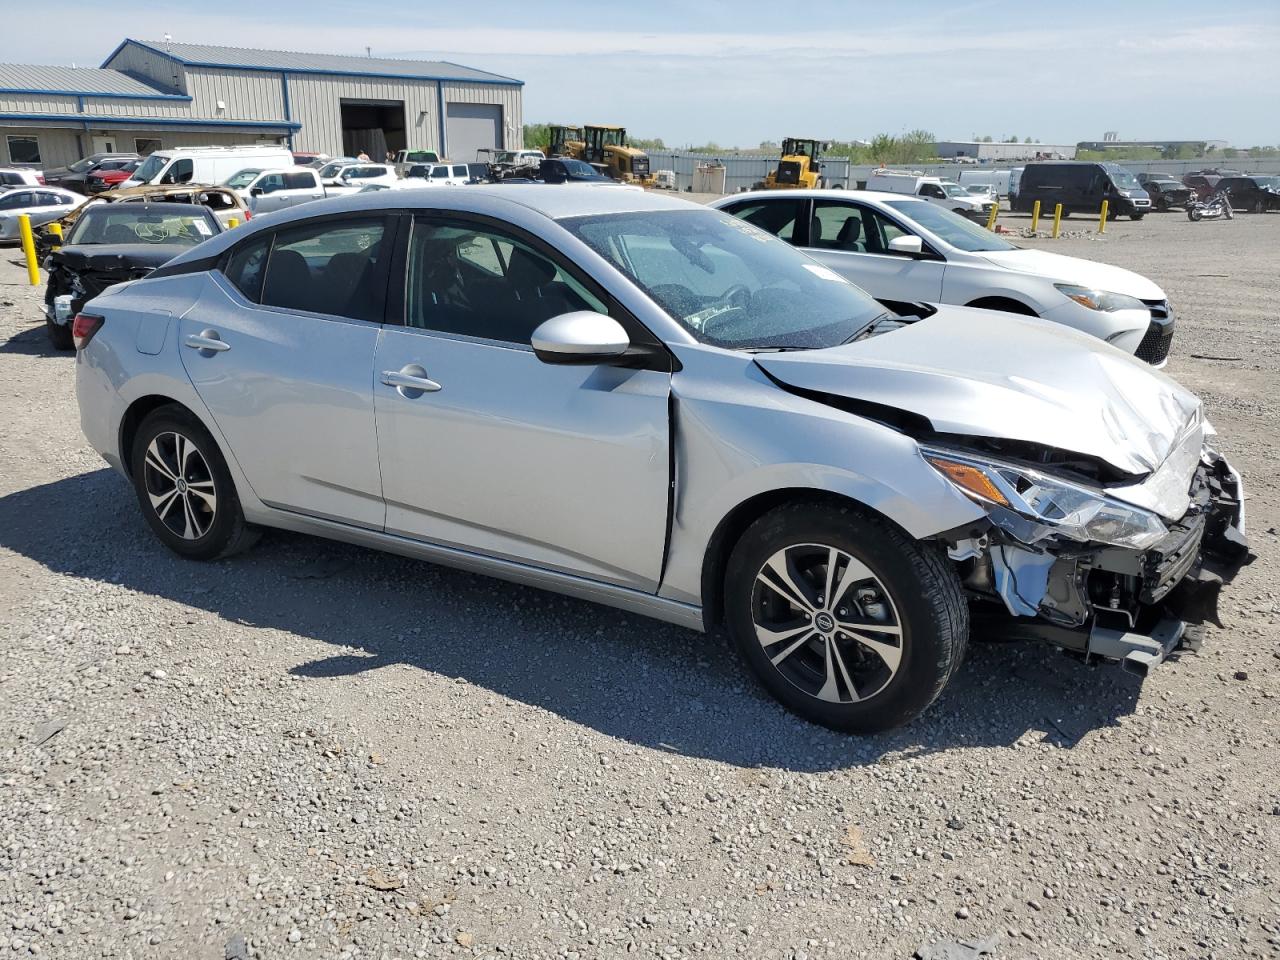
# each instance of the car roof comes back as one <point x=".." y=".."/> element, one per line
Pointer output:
<point x="821" y="193"/>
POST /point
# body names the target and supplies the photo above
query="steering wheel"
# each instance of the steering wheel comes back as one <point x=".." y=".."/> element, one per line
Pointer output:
<point x="736" y="298"/>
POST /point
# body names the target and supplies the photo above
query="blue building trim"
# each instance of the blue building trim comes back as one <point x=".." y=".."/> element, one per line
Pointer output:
<point x="89" y="120"/>
<point x="92" y="93"/>
<point x="288" y="108"/>
<point x="381" y="75"/>
<point x="444" y="139"/>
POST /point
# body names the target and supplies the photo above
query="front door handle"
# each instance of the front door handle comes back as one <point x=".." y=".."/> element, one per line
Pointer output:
<point x="411" y="380"/>
<point x="207" y="342"/>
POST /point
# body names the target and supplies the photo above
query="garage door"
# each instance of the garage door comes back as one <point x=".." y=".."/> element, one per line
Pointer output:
<point x="470" y="127"/>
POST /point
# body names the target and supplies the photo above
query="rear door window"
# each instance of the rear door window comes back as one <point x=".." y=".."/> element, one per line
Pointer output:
<point x="336" y="267"/>
<point x="300" y="181"/>
<point x="778" y="217"/>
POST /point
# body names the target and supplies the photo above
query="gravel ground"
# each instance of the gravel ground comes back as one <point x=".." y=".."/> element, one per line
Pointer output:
<point x="314" y="750"/>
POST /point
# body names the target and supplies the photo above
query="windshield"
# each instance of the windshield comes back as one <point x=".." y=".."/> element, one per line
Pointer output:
<point x="952" y="189"/>
<point x="331" y="169"/>
<point x="728" y="283"/>
<point x="80" y="166"/>
<point x="150" y="168"/>
<point x="185" y="225"/>
<point x="1271" y="183"/>
<point x="1122" y="178"/>
<point x="240" y="180"/>
<point x="580" y="168"/>
<point x="954" y="229"/>
<point x="980" y="189"/>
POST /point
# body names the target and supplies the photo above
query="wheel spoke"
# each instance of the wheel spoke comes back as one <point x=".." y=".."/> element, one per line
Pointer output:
<point x="204" y="489"/>
<point x="190" y="524"/>
<point x="786" y="584"/>
<point x="831" y="687"/>
<point x="890" y="653"/>
<point x="854" y="571"/>
<point x="869" y="626"/>
<point x="162" y="503"/>
<point x="804" y="637"/>
<point x="184" y="449"/>
<point x="768" y="637"/>
<point x="155" y="461"/>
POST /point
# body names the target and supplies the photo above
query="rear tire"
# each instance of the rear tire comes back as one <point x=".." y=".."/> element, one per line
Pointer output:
<point x="1194" y="214"/>
<point x="874" y="654"/>
<point x="1136" y="216"/>
<point x="184" y="489"/>
<point x="59" y="335"/>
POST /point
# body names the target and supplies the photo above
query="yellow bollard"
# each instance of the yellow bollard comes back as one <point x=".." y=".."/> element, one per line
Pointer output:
<point x="55" y="230"/>
<point x="995" y="212"/>
<point x="232" y="223"/>
<point x="1102" y="218"/>
<point x="1035" y="216"/>
<point x="1057" y="220"/>
<point x="29" y="249"/>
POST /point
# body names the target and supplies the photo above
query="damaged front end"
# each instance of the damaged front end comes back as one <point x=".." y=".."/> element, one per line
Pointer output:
<point x="1103" y="565"/>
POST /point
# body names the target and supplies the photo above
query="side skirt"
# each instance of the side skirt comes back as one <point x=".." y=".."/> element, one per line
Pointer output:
<point x="633" y="601"/>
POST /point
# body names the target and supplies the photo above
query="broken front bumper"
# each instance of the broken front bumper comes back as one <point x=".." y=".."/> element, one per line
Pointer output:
<point x="1129" y="606"/>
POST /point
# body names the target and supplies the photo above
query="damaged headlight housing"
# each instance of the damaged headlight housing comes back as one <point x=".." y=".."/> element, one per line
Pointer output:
<point x="1101" y="300"/>
<point x="1031" y="505"/>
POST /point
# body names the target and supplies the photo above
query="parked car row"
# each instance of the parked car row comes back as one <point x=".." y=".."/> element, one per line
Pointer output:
<point x="713" y="424"/>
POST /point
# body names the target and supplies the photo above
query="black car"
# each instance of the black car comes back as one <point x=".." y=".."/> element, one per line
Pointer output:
<point x="113" y="242"/>
<point x="566" y="170"/>
<point x="1256" y="194"/>
<point x="75" y="176"/>
<point x="1166" y="190"/>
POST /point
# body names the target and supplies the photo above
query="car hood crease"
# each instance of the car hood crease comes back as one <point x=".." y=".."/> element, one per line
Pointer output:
<point x="1008" y="378"/>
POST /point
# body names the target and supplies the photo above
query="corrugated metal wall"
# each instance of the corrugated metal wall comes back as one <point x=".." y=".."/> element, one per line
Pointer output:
<point x="510" y="98"/>
<point x="58" y="147"/>
<point x="248" y="94"/>
<point x="315" y="101"/>
<point x="161" y="71"/>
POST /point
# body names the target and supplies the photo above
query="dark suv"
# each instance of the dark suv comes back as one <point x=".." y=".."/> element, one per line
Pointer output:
<point x="1166" y="190"/>
<point x="1256" y="194"/>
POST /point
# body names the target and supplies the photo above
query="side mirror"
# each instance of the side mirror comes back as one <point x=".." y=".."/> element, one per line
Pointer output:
<point x="256" y="192"/>
<point x="581" y="337"/>
<point x="911" y="245"/>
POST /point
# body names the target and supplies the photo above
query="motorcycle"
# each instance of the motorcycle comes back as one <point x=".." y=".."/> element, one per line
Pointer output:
<point x="1219" y="205"/>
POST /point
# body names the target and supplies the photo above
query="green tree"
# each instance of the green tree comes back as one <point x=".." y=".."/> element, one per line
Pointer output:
<point x="537" y="136"/>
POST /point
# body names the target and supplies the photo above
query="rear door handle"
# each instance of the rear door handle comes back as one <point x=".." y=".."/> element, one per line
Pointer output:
<point x="412" y="381"/>
<point x="207" y="340"/>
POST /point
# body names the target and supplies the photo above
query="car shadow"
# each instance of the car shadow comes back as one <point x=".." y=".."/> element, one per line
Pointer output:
<point x="34" y="342"/>
<point x="629" y="677"/>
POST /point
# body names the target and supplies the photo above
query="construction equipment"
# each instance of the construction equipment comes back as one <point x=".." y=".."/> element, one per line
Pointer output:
<point x="607" y="146"/>
<point x="799" y="167"/>
<point x="566" y="141"/>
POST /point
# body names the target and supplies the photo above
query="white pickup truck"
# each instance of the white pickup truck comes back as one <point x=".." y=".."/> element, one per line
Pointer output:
<point x="945" y="193"/>
<point x="352" y="177"/>
<point x="266" y="190"/>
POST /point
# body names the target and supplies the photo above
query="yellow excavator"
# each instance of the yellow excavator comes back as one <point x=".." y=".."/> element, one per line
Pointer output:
<point x="799" y="167"/>
<point x="607" y="147"/>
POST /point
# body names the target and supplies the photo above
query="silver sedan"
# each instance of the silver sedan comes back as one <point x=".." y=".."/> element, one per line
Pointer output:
<point x="654" y="405"/>
<point x="42" y="204"/>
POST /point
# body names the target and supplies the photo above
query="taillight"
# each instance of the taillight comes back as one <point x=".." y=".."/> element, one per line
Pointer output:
<point x="83" y="327"/>
<point x="248" y="214"/>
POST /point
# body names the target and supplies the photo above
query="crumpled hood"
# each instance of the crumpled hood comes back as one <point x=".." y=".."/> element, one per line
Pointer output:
<point x="988" y="374"/>
<point x="1085" y="273"/>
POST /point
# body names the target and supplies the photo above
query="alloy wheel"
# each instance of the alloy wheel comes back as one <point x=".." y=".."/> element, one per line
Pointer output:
<point x="827" y="623"/>
<point x="180" y="485"/>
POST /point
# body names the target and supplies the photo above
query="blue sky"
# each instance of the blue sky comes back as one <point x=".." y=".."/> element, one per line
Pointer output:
<point x="740" y="71"/>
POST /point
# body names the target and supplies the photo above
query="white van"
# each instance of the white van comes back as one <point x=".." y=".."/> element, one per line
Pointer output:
<point x="407" y="158"/>
<point x="945" y="193"/>
<point x="267" y="190"/>
<point x="998" y="180"/>
<point x="206" y="164"/>
<point x="440" y="174"/>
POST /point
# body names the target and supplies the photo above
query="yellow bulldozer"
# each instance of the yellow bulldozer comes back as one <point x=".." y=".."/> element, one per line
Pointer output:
<point x="566" y="141"/>
<point x="799" y="167"/>
<point x="606" y="147"/>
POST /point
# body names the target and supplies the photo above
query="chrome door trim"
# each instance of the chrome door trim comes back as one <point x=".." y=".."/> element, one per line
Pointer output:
<point x="681" y="614"/>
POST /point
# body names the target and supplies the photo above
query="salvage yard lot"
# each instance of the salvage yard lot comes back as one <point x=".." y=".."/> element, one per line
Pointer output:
<point x="315" y="750"/>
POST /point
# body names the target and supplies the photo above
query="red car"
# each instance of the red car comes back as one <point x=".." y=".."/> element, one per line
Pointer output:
<point x="101" y="180"/>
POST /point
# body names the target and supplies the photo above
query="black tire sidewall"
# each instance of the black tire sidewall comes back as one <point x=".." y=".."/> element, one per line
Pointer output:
<point x="228" y="520"/>
<point x="928" y="660"/>
<point x="59" y="335"/>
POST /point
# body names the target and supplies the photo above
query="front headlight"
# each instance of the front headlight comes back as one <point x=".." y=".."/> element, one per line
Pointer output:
<point x="1031" y="505"/>
<point x="1099" y="299"/>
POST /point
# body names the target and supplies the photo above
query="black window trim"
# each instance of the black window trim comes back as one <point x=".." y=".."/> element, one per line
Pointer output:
<point x="217" y="264"/>
<point x="647" y="350"/>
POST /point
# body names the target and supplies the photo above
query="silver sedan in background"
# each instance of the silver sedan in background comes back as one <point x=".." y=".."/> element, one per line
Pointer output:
<point x="654" y="405"/>
<point x="42" y="204"/>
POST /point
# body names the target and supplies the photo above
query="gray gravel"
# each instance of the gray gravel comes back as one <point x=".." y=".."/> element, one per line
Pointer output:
<point x="317" y="751"/>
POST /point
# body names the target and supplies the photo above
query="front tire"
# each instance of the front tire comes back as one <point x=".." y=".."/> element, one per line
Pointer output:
<point x="184" y="488"/>
<point x="844" y="618"/>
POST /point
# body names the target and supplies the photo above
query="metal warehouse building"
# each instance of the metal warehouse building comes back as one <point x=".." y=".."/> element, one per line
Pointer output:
<point x="986" y="150"/>
<point x="148" y="95"/>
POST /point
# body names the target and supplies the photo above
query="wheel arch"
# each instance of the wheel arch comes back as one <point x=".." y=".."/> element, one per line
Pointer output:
<point x="1004" y="303"/>
<point x="733" y="524"/>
